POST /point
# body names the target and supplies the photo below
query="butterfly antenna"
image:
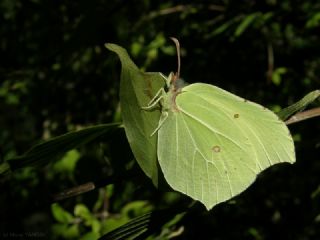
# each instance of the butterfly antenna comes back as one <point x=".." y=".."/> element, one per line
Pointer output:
<point x="176" y="42"/>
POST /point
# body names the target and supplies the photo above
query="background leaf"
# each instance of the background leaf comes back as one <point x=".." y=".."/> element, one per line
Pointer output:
<point x="245" y="23"/>
<point x="146" y="225"/>
<point x="284" y="114"/>
<point x="60" y="214"/>
<point x="54" y="148"/>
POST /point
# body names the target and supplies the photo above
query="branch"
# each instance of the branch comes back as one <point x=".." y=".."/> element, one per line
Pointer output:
<point x="176" y="9"/>
<point x="182" y="8"/>
<point x="92" y="185"/>
<point x="270" y="62"/>
<point x="74" y="191"/>
<point x="301" y="116"/>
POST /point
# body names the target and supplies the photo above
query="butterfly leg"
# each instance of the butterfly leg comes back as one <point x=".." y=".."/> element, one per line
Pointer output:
<point x="155" y="100"/>
<point x="163" y="117"/>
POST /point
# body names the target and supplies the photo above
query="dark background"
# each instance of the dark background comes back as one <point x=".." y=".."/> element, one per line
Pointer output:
<point x="57" y="76"/>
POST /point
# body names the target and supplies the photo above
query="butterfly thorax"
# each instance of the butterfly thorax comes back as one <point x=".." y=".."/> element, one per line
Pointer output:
<point x="174" y="90"/>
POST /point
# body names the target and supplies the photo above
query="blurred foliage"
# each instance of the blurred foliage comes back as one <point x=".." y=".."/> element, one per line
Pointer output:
<point x="56" y="76"/>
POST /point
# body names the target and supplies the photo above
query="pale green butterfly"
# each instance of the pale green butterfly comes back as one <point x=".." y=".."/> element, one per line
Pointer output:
<point x="212" y="143"/>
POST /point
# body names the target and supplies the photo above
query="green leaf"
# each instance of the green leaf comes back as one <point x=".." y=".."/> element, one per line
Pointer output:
<point x="55" y="148"/>
<point x="276" y="76"/>
<point x="222" y="28"/>
<point x="129" y="230"/>
<point x="68" y="162"/>
<point x="4" y="168"/>
<point x="66" y="231"/>
<point x="134" y="208"/>
<point x="82" y="211"/>
<point x="313" y="21"/>
<point x="60" y="214"/>
<point x="90" y="236"/>
<point x="145" y="225"/>
<point x="136" y="90"/>
<point x="299" y="106"/>
<point x="212" y="144"/>
<point x="246" y="23"/>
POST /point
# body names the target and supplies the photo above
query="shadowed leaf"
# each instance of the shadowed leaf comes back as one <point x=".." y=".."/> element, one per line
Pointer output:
<point x="55" y="148"/>
<point x="136" y="90"/>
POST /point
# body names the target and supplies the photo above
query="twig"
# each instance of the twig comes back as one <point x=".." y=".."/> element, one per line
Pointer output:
<point x="214" y="7"/>
<point x="175" y="9"/>
<point x="301" y="116"/>
<point x="166" y="11"/>
<point x="74" y="191"/>
<point x="270" y="62"/>
<point x="182" y="8"/>
<point x="89" y="186"/>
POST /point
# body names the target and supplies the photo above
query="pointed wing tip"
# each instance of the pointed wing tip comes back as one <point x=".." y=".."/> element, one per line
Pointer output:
<point x="209" y="205"/>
